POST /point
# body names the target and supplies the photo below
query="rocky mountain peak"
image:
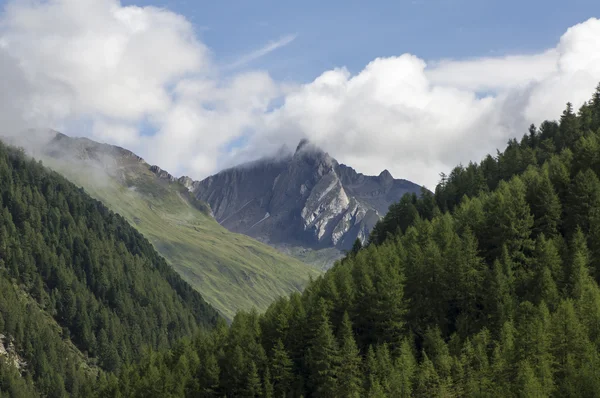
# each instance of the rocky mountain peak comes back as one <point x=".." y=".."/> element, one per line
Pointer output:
<point x="386" y="176"/>
<point x="309" y="155"/>
<point x="307" y="200"/>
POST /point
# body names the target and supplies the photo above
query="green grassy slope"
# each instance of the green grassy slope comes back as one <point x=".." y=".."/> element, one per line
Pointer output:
<point x="232" y="271"/>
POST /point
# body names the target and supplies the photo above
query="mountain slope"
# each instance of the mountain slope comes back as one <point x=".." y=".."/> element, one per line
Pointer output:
<point x="79" y="287"/>
<point x="305" y="200"/>
<point x="497" y="297"/>
<point x="231" y="271"/>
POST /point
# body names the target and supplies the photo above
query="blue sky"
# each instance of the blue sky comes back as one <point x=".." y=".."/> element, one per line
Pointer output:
<point x="351" y="33"/>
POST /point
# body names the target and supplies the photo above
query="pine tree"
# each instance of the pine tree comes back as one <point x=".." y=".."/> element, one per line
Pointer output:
<point x="268" y="386"/>
<point x="546" y="270"/>
<point x="405" y="368"/>
<point x="376" y="390"/>
<point x="544" y="203"/>
<point x="501" y="299"/>
<point x="504" y="359"/>
<point x="323" y="355"/>
<point x="569" y="346"/>
<point x="281" y="367"/>
<point x="253" y="383"/>
<point x="569" y="127"/>
<point x="533" y="343"/>
<point x="583" y="200"/>
<point x="469" y="276"/>
<point x="509" y="222"/>
<point x="389" y="307"/>
<point x="428" y="381"/>
<point x="586" y="154"/>
<point x="577" y="271"/>
<point x="476" y="365"/>
<point x="209" y="375"/>
<point x="533" y="135"/>
<point x="527" y="383"/>
<point x="349" y="377"/>
<point x="437" y="351"/>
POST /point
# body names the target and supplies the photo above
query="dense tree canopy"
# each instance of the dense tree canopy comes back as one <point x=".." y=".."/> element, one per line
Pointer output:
<point x="72" y="272"/>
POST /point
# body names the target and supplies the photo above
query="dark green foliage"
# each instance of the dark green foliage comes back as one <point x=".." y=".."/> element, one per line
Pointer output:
<point x="349" y="376"/>
<point x="72" y="271"/>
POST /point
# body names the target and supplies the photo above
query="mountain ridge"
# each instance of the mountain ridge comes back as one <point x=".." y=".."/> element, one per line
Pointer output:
<point x="232" y="271"/>
<point x="306" y="199"/>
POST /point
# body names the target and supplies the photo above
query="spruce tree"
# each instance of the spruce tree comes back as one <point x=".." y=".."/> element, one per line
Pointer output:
<point x="253" y="382"/>
<point x="405" y="368"/>
<point x="268" y="386"/>
<point x="323" y="355"/>
<point x="577" y="271"/>
<point x="281" y="367"/>
<point x="349" y="375"/>
<point x="582" y="202"/>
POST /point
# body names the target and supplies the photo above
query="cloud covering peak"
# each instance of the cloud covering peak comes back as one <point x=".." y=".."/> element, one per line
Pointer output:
<point x="140" y="77"/>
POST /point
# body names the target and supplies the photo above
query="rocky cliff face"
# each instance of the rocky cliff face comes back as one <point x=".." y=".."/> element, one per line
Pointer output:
<point x="306" y="199"/>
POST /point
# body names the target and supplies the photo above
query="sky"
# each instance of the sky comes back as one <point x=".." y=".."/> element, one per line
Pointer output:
<point x="415" y="87"/>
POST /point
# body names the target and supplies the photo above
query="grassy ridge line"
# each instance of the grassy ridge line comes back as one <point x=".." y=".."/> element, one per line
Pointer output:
<point x="232" y="271"/>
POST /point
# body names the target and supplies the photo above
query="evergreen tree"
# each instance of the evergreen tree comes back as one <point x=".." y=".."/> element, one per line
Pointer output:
<point x="349" y="376"/>
<point x="254" y="384"/>
<point x="583" y="200"/>
<point x="281" y="367"/>
<point x="544" y="203"/>
<point x="269" y="391"/>
<point x="577" y="271"/>
<point x="323" y="355"/>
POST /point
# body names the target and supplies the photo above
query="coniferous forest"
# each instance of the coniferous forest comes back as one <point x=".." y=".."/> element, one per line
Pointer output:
<point x="81" y="291"/>
<point x="486" y="288"/>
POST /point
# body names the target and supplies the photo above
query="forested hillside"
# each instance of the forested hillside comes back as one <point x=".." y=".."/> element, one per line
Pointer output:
<point x="81" y="291"/>
<point x="489" y="288"/>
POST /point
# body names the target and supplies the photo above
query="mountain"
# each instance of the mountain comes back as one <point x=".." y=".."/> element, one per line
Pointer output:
<point x="487" y="288"/>
<point x="82" y="292"/>
<point x="305" y="200"/>
<point x="232" y="271"/>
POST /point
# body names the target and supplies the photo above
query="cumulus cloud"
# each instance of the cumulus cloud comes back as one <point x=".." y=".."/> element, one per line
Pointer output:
<point x="139" y="77"/>
<point x="418" y="120"/>
<point x="114" y="60"/>
<point x="134" y="76"/>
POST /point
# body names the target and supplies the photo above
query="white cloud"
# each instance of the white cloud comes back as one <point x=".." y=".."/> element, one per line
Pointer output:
<point x="115" y="60"/>
<point x="418" y="120"/>
<point x="119" y="68"/>
<point x="499" y="73"/>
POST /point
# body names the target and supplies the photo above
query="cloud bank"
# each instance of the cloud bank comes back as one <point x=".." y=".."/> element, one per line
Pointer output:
<point x="140" y="77"/>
